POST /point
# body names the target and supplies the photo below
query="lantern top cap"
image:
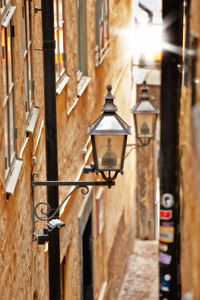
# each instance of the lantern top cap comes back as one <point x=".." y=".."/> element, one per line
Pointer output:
<point x="109" y="106"/>
<point x="109" y="122"/>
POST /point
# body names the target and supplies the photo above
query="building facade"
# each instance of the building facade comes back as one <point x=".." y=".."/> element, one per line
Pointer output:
<point x="91" y="52"/>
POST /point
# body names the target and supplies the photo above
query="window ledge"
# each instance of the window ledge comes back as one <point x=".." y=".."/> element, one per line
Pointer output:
<point x="101" y="58"/>
<point x="6" y="19"/>
<point x="13" y="178"/>
<point x="32" y="120"/>
<point x="62" y="83"/>
<point x="82" y="85"/>
<point x="72" y="107"/>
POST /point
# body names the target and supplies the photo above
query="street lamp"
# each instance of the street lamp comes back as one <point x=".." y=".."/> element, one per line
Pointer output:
<point x="109" y="136"/>
<point x="145" y="116"/>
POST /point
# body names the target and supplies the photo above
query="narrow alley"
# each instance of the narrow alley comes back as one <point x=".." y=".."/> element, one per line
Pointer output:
<point x="141" y="279"/>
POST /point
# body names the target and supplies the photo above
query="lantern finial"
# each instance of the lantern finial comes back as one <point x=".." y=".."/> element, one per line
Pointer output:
<point x="109" y="88"/>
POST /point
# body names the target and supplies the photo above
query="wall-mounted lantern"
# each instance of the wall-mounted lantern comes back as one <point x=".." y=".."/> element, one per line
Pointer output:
<point x="109" y="136"/>
<point x="145" y="116"/>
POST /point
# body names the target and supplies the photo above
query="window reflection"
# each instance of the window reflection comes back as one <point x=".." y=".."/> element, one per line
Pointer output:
<point x="27" y="57"/>
<point x="102" y="29"/>
<point x="59" y="39"/>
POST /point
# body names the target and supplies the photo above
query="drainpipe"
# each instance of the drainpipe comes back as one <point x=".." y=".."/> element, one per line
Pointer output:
<point x="169" y="255"/>
<point x="51" y="140"/>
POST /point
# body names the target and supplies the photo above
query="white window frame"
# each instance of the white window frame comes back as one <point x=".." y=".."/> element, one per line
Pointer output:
<point x="28" y="74"/>
<point x="8" y="87"/>
<point x="102" y="30"/>
<point x="60" y="55"/>
<point x="81" y="39"/>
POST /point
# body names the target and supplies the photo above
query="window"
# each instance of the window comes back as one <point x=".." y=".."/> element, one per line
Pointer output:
<point x="60" y="56"/>
<point x="82" y="44"/>
<point x="29" y="83"/>
<point x="7" y="32"/>
<point x="102" y="30"/>
<point x="82" y="78"/>
<point x="3" y="4"/>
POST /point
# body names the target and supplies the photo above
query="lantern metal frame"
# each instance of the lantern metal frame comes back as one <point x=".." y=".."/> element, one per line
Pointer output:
<point x="109" y="110"/>
<point x="145" y="141"/>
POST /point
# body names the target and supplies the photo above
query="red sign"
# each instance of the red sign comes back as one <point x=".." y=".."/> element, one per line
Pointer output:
<point x="166" y="214"/>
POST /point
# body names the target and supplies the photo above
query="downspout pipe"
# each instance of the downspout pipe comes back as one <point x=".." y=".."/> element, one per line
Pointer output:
<point x="51" y="140"/>
<point x="170" y="153"/>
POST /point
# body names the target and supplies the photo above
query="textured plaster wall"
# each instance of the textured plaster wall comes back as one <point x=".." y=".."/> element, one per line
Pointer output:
<point x="23" y="264"/>
<point x="190" y="208"/>
<point x="189" y="179"/>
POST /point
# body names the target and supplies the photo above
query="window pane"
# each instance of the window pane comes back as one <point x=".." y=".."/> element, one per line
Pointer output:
<point x="82" y="45"/>
<point x="61" y="49"/>
<point x="6" y="137"/>
<point x="28" y="21"/>
<point x="56" y="54"/>
<point x="4" y="63"/>
<point x="61" y="39"/>
<point x="11" y="126"/>
<point x="102" y="27"/>
<point x="60" y="9"/>
<point x="106" y="22"/>
<point x="30" y="77"/>
<point x="24" y="27"/>
<point x="26" y="81"/>
<point x="55" y="14"/>
<point x="9" y="55"/>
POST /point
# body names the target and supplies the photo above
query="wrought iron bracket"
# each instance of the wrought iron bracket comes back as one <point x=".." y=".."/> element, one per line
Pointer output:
<point x="42" y="211"/>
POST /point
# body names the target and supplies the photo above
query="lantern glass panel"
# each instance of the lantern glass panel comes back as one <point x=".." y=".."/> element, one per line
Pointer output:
<point x="109" y="123"/>
<point x="109" y="151"/>
<point x="145" y="124"/>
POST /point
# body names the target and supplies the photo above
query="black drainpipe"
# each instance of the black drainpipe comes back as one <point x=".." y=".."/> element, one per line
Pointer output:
<point x="169" y="256"/>
<point x="51" y="140"/>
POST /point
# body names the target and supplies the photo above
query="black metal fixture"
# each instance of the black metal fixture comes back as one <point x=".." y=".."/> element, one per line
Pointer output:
<point x="109" y="136"/>
<point x="145" y="115"/>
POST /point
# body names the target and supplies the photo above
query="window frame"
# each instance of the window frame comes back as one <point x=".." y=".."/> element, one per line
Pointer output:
<point x="28" y="65"/>
<point x="102" y="30"/>
<point x="7" y="34"/>
<point x="81" y="40"/>
<point x="59" y="27"/>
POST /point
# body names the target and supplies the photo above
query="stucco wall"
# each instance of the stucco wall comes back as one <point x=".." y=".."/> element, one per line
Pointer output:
<point x="189" y="175"/>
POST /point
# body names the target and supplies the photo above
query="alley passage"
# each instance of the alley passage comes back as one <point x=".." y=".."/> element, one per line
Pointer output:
<point x="141" y="279"/>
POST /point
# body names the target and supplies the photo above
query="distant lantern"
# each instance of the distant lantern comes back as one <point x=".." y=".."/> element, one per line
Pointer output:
<point x="109" y="136"/>
<point x="145" y="116"/>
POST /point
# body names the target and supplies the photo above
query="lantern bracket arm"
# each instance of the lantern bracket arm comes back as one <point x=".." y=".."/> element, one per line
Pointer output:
<point x="42" y="211"/>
